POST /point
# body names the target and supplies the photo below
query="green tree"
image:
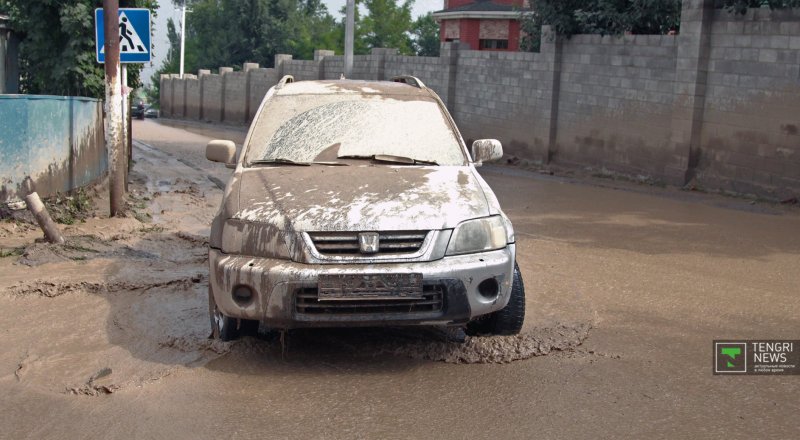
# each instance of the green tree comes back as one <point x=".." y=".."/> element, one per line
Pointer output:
<point x="233" y="32"/>
<point x="171" y="63"/>
<point x="425" y="33"/>
<point x="388" y="24"/>
<point x="570" y="17"/>
<point x="360" y="46"/>
<point x="740" y="6"/>
<point x="57" y="49"/>
<point x="311" y="27"/>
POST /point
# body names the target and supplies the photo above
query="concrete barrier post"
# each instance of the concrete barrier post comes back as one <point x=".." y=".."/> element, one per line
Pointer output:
<point x="694" y="42"/>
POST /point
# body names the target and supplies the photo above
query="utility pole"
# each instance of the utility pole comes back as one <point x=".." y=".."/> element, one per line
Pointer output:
<point x="183" y="32"/>
<point x="349" y="28"/>
<point x="114" y="130"/>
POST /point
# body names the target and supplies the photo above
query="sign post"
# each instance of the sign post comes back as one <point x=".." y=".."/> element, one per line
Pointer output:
<point x="120" y="41"/>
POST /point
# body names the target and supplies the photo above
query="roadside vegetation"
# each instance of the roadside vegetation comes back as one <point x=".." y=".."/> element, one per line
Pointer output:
<point x="234" y="32"/>
<point x="57" y="51"/>
<point x="617" y="17"/>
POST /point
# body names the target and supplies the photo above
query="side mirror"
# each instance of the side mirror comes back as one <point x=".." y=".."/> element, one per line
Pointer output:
<point x="485" y="150"/>
<point x="221" y="151"/>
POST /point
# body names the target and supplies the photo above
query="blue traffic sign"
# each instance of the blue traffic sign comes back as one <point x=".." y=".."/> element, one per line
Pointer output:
<point x="134" y="35"/>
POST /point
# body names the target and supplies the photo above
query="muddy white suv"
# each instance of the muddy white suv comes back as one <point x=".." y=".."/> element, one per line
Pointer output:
<point x="356" y="203"/>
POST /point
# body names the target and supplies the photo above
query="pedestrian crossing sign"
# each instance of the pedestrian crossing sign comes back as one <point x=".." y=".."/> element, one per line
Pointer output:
<point x="134" y="35"/>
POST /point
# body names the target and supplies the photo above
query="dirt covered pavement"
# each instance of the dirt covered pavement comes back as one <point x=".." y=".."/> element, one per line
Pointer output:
<point x="106" y="336"/>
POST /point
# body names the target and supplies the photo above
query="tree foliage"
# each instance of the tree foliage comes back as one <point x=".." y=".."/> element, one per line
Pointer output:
<point x="425" y="33"/>
<point x="741" y="6"/>
<point x="57" y="48"/>
<point x="570" y="17"/>
<point x="171" y="63"/>
<point x="387" y="25"/>
<point x="614" y="17"/>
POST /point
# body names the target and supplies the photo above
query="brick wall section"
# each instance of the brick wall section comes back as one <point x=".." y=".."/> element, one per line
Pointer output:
<point x="750" y="137"/>
<point x="615" y="102"/>
<point x="717" y="105"/>
<point x="234" y="98"/>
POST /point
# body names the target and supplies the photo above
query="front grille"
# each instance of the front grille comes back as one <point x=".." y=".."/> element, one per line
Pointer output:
<point x="346" y="243"/>
<point x="307" y="302"/>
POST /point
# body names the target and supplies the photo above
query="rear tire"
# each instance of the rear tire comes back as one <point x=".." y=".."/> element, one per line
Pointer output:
<point x="226" y="328"/>
<point x="509" y="320"/>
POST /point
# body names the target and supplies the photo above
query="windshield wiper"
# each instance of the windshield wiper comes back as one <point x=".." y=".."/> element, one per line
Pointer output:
<point x="282" y="161"/>
<point x="391" y="158"/>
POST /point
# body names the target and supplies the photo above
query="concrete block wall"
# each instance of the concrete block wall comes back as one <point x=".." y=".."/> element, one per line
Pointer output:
<point x="302" y="70"/>
<point x="211" y="85"/>
<point x="750" y="137"/>
<point x="165" y="96"/>
<point x="428" y="69"/>
<point x="332" y="67"/>
<point x="716" y="106"/>
<point x="178" y="98"/>
<point x="615" y="102"/>
<point x="503" y="95"/>
<point x="192" y="96"/>
<point x="234" y="97"/>
<point x="261" y="80"/>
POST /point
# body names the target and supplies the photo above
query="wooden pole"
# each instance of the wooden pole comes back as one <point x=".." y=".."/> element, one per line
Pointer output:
<point x="114" y="129"/>
<point x="49" y="227"/>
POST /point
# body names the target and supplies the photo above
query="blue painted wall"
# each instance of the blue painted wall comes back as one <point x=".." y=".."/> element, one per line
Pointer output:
<point x="49" y="144"/>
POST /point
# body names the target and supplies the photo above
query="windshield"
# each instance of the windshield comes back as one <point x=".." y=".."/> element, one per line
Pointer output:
<point x="313" y="128"/>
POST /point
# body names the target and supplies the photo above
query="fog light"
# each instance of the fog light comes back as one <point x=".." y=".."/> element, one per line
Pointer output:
<point x="242" y="295"/>
<point x="488" y="288"/>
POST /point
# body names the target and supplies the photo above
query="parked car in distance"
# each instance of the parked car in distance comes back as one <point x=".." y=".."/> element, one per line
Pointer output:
<point x="138" y="110"/>
<point x="150" y="112"/>
<point x="357" y="203"/>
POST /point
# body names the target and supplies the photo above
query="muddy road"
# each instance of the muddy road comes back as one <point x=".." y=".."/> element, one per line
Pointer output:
<point x="627" y="286"/>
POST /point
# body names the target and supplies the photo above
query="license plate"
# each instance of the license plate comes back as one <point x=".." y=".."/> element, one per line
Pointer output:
<point x="371" y="286"/>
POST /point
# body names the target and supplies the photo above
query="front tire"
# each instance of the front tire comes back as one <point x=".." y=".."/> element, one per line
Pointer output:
<point x="509" y="320"/>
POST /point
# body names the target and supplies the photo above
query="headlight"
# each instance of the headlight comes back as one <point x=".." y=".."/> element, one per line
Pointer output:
<point x="483" y="234"/>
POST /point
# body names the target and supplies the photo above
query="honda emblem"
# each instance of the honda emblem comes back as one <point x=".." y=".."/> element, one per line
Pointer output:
<point x="368" y="242"/>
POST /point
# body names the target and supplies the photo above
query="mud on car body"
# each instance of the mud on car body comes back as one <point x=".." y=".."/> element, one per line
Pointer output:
<point x="357" y="203"/>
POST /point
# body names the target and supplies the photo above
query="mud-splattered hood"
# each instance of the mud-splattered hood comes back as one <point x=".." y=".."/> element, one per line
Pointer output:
<point x="360" y="198"/>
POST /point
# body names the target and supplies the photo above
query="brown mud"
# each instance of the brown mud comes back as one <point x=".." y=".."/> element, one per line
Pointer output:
<point x="627" y="287"/>
<point x="125" y="299"/>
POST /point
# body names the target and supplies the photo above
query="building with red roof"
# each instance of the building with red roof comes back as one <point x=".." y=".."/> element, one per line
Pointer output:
<point x="482" y="24"/>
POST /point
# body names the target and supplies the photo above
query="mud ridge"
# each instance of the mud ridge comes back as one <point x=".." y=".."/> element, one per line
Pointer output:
<point x="191" y="345"/>
<point x="102" y="382"/>
<point x="51" y="289"/>
<point x="497" y="349"/>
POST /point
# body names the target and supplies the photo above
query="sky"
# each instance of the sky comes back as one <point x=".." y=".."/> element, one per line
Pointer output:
<point x="167" y="10"/>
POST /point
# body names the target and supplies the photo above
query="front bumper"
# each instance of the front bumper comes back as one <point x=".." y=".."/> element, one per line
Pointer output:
<point x="282" y="288"/>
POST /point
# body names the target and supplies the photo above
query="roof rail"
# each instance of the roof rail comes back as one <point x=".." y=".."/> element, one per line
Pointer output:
<point x="410" y="80"/>
<point x="285" y="80"/>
